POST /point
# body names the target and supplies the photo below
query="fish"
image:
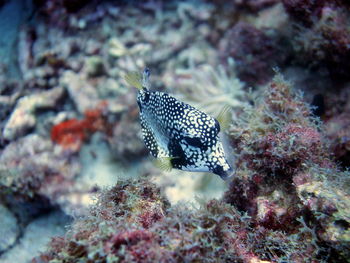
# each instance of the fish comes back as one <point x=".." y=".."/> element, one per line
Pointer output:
<point x="178" y="135"/>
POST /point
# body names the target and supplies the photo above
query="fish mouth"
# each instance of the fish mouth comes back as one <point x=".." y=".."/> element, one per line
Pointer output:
<point x="224" y="174"/>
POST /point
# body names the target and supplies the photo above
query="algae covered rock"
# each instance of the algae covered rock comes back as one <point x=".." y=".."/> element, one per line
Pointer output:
<point x="132" y="222"/>
<point x="31" y="168"/>
<point x="9" y="230"/>
<point x="94" y="66"/>
<point x="23" y="117"/>
<point x="330" y="204"/>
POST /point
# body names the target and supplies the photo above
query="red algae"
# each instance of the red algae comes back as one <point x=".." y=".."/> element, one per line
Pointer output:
<point x="72" y="133"/>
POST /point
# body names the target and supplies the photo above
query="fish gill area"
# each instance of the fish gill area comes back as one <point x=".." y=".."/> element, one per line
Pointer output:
<point x="77" y="183"/>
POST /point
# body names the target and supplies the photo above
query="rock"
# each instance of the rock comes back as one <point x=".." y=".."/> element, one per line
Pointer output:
<point x="83" y="94"/>
<point x="9" y="229"/>
<point x="116" y="48"/>
<point x="332" y="205"/>
<point x="36" y="235"/>
<point x="33" y="167"/>
<point x="94" y="66"/>
<point x="255" y="51"/>
<point x="23" y="117"/>
<point x="126" y="142"/>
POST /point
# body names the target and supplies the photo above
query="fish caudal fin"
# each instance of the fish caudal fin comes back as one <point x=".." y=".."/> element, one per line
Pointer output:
<point x="224" y="117"/>
<point x="134" y="79"/>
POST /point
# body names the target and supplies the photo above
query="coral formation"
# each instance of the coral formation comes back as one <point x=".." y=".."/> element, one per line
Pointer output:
<point x="255" y="51"/>
<point x="208" y="88"/>
<point x="133" y="222"/>
<point x="23" y="117"/>
<point x="30" y="166"/>
<point x="283" y="163"/>
<point x="321" y="39"/>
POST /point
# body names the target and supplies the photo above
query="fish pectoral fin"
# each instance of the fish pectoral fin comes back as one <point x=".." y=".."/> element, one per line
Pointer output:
<point x="134" y="79"/>
<point x="156" y="149"/>
<point x="164" y="163"/>
<point x="224" y="117"/>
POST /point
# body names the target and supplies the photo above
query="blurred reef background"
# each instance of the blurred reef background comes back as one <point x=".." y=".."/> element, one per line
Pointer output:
<point x="76" y="181"/>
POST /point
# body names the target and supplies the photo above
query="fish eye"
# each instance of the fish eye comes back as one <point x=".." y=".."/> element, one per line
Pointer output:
<point x="196" y="142"/>
<point x="147" y="72"/>
<point x="146" y="97"/>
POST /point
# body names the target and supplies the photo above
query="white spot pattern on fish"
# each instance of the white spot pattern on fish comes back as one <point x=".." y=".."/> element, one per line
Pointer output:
<point x="176" y="130"/>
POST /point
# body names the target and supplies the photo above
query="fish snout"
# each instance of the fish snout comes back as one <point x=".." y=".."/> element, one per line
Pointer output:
<point x="224" y="174"/>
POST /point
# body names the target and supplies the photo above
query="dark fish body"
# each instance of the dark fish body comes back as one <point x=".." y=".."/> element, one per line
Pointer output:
<point x="187" y="136"/>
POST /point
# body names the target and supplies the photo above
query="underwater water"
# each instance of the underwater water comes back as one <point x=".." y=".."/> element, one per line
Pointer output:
<point x="77" y="180"/>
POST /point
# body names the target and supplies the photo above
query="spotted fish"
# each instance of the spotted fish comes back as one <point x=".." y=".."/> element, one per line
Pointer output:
<point x="176" y="133"/>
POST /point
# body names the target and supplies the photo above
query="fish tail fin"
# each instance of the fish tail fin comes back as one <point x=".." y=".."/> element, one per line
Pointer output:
<point x="134" y="79"/>
<point x="224" y="117"/>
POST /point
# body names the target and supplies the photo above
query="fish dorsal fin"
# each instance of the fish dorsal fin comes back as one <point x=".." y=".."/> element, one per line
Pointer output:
<point x="164" y="163"/>
<point x="145" y="78"/>
<point x="134" y="79"/>
<point x="224" y="117"/>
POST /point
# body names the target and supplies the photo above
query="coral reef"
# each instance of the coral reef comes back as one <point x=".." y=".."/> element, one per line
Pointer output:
<point x="30" y="166"/>
<point x="286" y="178"/>
<point x="133" y="222"/>
<point x="321" y="39"/>
<point x="255" y="51"/>
<point x="72" y="133"/>
<point x="70" y="130"/>
<point x="207" y="88"/>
